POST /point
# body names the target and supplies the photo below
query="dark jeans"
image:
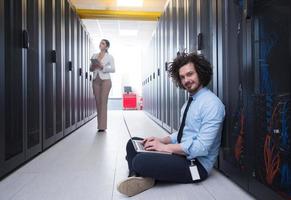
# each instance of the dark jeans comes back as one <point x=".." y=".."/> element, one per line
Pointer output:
<point x="162" y="167"/>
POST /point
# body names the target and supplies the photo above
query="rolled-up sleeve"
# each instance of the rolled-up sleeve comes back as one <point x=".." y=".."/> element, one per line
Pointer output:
<point x="109" y="66"/>
<point x="200" y="144"/>
<point x="173" y="137"/>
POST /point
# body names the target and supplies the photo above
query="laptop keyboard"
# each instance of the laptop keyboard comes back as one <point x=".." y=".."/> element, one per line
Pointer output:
<point x="139" y="145"/>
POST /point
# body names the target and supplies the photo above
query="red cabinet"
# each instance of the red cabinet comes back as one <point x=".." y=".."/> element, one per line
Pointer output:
<point x="129" y="101"/>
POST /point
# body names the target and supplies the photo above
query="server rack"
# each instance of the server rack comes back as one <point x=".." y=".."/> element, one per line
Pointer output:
<point x="163" y="70"/>
<point x="51" y="134"/>
<point x="2" y="86"/>
<point x="37" y="86"/>
<point x="33" y="80"/>
<point x="13" y="132"/>
<point x="255" y="151"/>
<point x="269" y="97"/>
<point x="60" y="24"/>
<point x="181" y="48"/>
<point x="20" y="85"/>
<point x="74" y="65"/>
<point x="78" y="74"/>
<point x="233" y="165"/>
<point x="173" y="48"/>
<point x="158" y="71"/>
<point x="68" y="69"/>
<point x="167" y="41"/>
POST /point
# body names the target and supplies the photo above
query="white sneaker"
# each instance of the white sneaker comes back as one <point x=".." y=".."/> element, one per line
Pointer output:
<point x="135" y="185"/>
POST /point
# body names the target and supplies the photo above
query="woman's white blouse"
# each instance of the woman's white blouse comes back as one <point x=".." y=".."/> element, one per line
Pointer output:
<point x="109" y="67"/>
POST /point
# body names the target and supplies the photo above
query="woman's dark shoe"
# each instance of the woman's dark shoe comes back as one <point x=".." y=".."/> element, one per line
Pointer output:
<point x="101" y="130"/>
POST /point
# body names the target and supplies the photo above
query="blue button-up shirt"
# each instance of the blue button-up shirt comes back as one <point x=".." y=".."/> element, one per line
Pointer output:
<point x="202" y="131"/>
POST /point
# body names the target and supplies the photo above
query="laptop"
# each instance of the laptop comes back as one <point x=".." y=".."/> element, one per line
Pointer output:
<point x="137" y="144"/>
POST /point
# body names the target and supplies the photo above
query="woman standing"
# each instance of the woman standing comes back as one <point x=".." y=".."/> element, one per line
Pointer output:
<point x="102" y="82"/>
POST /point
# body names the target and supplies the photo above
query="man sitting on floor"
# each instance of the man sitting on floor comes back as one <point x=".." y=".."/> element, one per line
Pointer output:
<point x="194" y="148"/>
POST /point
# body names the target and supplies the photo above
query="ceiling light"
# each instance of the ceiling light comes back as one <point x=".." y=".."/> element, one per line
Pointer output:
<point x="130" y="3"/>
<point x="128" y="32"/>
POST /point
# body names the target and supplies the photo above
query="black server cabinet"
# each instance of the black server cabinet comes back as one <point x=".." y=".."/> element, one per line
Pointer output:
<point x="269" y="41"/>
<point x="20" y="85"/>
<point x="79" y="73"/>
<point x="167" y="80"/>
<point x="2" y="86"/>
<point x="87" y="80"/>
<point x="74" y="66"/>
<point x="158" y="72"/>
<point x="33" y="79"/>
<point x="163" y="70"/>
<point x="155" y="80"/>
<point x="50" y="134"/>
<point x="206" y="34"/>
<point x="12" y="82"/>
<point x="204" y="26"/>
<point x="174" y="33"/>
<point x="256" y="143"/>
<point x="233" y="156"/>
<point x="68" y="70"/>
<point x="192" y="23"/>
<point x="85" y="75"/>
<point x="60" y="34"/>
<point x="181" y="48"/>
<point x="84" y="72"/>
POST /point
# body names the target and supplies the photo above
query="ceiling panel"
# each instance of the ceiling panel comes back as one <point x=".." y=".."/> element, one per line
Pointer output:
<point x="148" y="5"/>
<point x="110" y="29"/>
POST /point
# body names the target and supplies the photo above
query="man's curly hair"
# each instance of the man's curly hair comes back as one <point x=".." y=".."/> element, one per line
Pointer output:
<point x="202" y="67"/>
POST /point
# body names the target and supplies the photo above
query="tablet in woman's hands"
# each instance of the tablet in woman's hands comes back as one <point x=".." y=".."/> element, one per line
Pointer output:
<point x="95" y="61"/>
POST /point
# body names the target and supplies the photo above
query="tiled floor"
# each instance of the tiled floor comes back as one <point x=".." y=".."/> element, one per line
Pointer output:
<point x="87" y="165"/>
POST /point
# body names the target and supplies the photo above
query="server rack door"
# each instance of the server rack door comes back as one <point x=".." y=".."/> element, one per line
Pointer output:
<point x="155" y="75"/>
<point x="59" y="28"/>
<point x="74" y="66"/>
<point x="68" y="68"/>
<point x="155" y="95"/>
<point x="91" y="98"/>
<point x="87" y="80"/>
<point x="2" y="92"/>
<point x="269" y="97"/>
<point x="163" y="69"/>
<point x="79" y="72"/>
<point x="180" y="49"/>
<point x="206" y="39"/>
<point x="83" y="88"/>
<point x="165" y="65"/>
<point x="205" y="24"/>
<point x="167" y="80"/>
<point x="192" y="5"/>
<point x="233" y="154"/>
<point x="159" y="71"/>
<point x="90" y="91"/>
<point x="173" y="53"/>
<point x="89" y="109"/>
<point x="50" y="134"/>
<point x="83" y="77"/>
<point x="12" y="85"/>
<point x="34" y="114"/>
